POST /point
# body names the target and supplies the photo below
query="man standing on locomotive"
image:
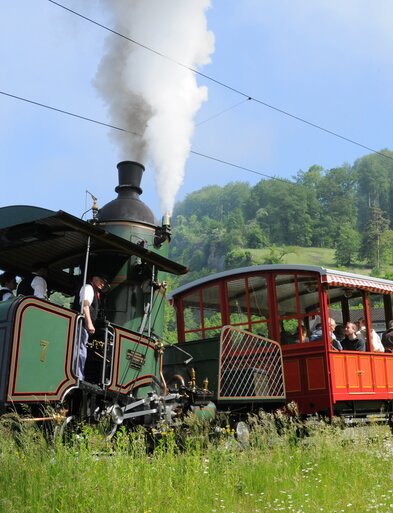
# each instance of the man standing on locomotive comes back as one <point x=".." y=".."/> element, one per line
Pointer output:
<point x="89" y="301"/>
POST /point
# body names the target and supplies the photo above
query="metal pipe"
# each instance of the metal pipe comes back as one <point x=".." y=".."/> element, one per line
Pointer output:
<point x="162" y="374"/>
<point x="80" y="318"/>
<point x="151" y="298"/>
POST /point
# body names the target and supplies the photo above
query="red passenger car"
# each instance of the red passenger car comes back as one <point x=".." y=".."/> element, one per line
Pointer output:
<point x="292" y="305"/>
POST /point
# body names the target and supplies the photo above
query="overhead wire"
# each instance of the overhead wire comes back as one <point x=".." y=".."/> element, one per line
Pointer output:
<point x="27" y="100"/>
<point x="223" y="84"/>
<point x="222" y="112"/>
<point x="62" y="111"/>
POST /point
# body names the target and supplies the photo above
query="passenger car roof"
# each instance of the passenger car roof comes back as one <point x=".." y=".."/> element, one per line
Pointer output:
<point x="327" y="276"/>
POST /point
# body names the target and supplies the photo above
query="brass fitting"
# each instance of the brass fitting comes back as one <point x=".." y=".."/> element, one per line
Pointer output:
<point x="192" y="382"/>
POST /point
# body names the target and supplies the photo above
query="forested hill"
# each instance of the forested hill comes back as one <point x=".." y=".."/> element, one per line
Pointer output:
<point x="348" y="209"/>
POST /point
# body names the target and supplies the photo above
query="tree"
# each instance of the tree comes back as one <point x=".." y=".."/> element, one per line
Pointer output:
<point x="347" y="247"/>
<point x="282" y="210"/>
<point x="370" y="248"/>
<point x="255" y="236"/>
<point x="375" y="182"/>
<point x="238" y="258"/>
<point x="386" y="253"/>
<point x="276" y="255"/>
<point x="337" y="197"/>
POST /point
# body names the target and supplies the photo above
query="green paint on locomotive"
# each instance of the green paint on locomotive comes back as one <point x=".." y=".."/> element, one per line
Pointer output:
<point x="130" y="285"/>
<point x="42" y="342"/>
<point x="205" y="361"/>
<point x="137" y="364"/>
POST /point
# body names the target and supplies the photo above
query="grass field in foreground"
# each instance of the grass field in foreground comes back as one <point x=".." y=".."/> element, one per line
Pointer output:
<point x="331" y="470"/>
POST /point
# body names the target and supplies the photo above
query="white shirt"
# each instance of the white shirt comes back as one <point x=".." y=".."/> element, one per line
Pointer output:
<point x="376" y="344"/>
<point x="39" y="286"/>
<point x="86" y="294"/>
<point x="7" y="295"/>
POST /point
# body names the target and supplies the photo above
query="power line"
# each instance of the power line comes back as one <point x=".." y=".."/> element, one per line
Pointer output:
<point x="222" y="112"/>
<point x="241" y="167"/>
<point x="90" y="120"/>
<point x="65" y="112"/>
<point x="222" y="84"/>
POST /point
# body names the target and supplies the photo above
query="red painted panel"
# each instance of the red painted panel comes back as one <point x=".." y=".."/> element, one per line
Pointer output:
<point x="316" y="377"/>
<point x="389" y="372"/>
<point x="380" y="373"/>
<point x="369" y="376"/>
<point x="338" y="371"/>
<point x="353" y="372"/>
<point x="292" y="376"/>
<point x="366" y="376"/>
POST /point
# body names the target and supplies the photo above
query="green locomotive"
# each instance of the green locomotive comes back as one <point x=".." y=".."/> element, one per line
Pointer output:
<point x="38" y="338"/>
<point x="124" y="376"/>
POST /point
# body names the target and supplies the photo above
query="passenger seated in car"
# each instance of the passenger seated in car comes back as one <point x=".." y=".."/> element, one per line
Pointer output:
<point x="316" y="333"/>
<point x="387" y="338"/>
<point x="351" y="341"/>
<point x="339" y="332"/>
<point x="376" y="344"/>
<point x="303" y="335"/>
<point x="286" y="337"/>
<point x="334" y="342"/>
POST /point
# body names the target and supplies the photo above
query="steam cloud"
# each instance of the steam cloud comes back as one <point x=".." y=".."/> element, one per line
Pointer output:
<point x="149" y="95"/>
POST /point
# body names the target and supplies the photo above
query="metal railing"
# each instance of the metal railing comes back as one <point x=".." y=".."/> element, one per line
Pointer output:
<point x="250" y="366"/>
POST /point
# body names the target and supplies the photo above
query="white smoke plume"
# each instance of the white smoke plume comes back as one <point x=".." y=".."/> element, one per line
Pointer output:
<point x="150" y="95"/>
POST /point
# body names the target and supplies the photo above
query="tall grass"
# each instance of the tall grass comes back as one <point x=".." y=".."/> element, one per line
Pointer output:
<point x="286" y="469"/>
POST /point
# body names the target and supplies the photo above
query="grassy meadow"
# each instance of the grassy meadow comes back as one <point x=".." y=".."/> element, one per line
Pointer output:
<point x="323" y="257"/>
<point x="329" y="470"/>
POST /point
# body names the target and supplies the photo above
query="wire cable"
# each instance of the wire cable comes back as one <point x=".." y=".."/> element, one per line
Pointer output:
<point x="62" y="111"/>
<point x="241" y="167"/>
<point x="222" y="112"/>
<point x="27" y="100"/>
<point x="222" y="84"/>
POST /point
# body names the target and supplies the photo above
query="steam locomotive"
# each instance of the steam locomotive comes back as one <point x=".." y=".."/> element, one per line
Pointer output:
<point x="126" y="380"/>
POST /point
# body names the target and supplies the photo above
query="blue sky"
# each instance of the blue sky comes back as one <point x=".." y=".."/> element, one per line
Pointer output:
<point x="328" y="62"/>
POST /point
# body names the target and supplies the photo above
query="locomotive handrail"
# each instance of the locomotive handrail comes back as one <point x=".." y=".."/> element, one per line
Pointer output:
<point x="77" y="345"/>
<point x="109" y="330"/>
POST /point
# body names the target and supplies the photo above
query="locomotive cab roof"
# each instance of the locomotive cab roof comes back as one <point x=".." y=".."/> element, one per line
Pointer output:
<point x="59" y="240"/>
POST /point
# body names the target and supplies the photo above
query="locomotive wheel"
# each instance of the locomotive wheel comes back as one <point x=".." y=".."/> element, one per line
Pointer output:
<point x="242" y="434"/>
<point x="64" y="431"/>
<point x="110" y="420"/>
<point x="107" y="427"/>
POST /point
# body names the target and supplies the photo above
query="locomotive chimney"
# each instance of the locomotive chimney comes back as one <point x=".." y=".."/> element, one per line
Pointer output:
<point x="130" y="176"/>
<point x="128" y="206"/>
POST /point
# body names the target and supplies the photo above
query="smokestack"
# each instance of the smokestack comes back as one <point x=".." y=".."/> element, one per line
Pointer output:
<point x="130" y="177"/>
<point x="128" y="206"/>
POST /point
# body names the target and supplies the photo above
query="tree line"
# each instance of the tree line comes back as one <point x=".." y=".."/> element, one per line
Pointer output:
<point x="348" y="208"/>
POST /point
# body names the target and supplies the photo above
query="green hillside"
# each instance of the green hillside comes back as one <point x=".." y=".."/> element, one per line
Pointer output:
<point x="324" y="257"/>
<point x="336" y="218"/>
